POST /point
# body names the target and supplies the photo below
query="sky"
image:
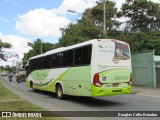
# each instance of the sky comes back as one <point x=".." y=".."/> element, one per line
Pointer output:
<point x="23" y="21"/>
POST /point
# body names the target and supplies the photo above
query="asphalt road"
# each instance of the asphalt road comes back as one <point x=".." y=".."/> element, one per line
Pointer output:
<point x="49" y="101"/>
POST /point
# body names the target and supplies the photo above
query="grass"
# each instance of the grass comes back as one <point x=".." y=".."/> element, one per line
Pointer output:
<point x="7" y="94"/>
<point x="12" y="102"/>
<point x="19" y="106"/>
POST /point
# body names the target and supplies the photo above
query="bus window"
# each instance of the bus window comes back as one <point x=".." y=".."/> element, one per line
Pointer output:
<point x="67" y="58"/>
<point x="83" y="55"/>
<point x="86" y="54"/>
<point x="39" y="63"/>
<point x="33" y="64"/>
<point x="56" y="60"/>
<point x="78" y="56"/>
<point x="70" y="58"/>
<point x="47" y="61"/>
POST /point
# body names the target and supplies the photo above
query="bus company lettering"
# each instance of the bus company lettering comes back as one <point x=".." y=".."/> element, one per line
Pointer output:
<point x="107" y="46"/>
<point x="41" y="74"/>
<point x="107" y="51"/>
<point x="121" y="78"/>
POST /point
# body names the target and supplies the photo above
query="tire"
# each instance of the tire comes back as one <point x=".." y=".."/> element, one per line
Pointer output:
<point x="59" y="92"/>
<point x="31" y="86"/>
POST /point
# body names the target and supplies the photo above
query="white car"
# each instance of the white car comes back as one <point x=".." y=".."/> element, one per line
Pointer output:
<point x="4" y="74"/>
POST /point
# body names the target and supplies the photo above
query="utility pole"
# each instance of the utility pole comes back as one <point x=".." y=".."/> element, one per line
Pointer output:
<point x="41" y="46"/>
<point x="104" y="18"/>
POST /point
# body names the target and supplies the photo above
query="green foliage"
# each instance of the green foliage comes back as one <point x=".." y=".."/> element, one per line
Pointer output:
<point x="36" y="49"/>
<point x="4" y="45"/>
<point x="80" y="32"/>
<point x="91" y="25"/>
<point x="144" y="15"/>
<point x="143" y="27"/>
<point x="140" y="41"/>
<point x="111" y="12"/>
<point x="6" y="68"/>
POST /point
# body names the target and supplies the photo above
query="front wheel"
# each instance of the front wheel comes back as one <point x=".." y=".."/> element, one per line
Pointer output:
<point x="32" y="87"/>
<point x="59" y="92"/>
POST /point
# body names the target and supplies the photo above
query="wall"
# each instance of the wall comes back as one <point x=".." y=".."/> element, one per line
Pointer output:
<point x="143" y="70"/>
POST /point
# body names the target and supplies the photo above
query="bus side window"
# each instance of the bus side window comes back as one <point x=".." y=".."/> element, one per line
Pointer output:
<point x="47" y="62"/>
<point x="67" y="58"/>
<point x="78" y="56"/>
<point x="39" y="63"/>
<point x="86" y="54"/>
<point x="83" y="55"/>
<point x="56" y="60"/>
<point x="64" y="58"/>
<point x="70" y="58"/>
<point x="33" y="64"/>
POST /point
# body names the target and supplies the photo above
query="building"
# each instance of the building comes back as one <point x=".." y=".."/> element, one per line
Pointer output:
<point x="146" y="69"/>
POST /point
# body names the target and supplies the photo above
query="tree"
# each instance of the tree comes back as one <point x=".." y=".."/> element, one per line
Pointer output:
<point x="90" y="26"/>
<point x="1" y="67"/>
<point x="3" y="45"/>
<point x="111" y="13"/>
<point x="36" y="49"/>
<point x="144" y="15"/>
<point x="76" y="33"/>
<point x="138" y="41"/>
<point x="142" y="26"/>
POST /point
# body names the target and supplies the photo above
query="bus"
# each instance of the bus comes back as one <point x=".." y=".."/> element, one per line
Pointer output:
<point x="98" y="67"/>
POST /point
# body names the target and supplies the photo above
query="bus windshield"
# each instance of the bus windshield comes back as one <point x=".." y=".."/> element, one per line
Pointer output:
<point x="110" y="51"/>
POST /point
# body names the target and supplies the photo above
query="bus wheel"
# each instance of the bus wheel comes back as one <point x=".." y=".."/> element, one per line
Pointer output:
<point x="59" y="92"/>
<point x="31" y="86"/>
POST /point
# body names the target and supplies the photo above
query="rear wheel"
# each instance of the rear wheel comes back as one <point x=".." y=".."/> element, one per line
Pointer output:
<point x="59" y="92"/>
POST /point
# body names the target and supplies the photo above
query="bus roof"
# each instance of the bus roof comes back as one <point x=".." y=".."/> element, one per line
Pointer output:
<point x="70" y="47"/>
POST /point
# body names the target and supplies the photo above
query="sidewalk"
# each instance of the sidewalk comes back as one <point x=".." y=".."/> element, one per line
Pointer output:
<point x="146" y="91"/>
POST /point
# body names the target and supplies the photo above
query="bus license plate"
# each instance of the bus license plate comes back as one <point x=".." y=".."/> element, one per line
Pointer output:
<point x="115" y="85"/>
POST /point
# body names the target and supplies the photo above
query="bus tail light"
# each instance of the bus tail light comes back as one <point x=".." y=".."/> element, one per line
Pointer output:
<point x="96" y="81"/>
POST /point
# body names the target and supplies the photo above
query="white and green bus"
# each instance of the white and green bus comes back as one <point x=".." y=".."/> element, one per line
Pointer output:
<point x="99" y="67"/>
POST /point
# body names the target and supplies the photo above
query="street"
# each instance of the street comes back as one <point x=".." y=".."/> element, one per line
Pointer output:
<point x="49" y="101"/>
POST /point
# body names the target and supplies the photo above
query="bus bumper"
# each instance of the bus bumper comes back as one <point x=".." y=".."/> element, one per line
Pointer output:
<point x="96" y="91"/>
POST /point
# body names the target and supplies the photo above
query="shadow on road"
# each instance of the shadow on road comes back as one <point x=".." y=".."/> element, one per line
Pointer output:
<point x="45" y="93"/>
<point x="93" y="102"/>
